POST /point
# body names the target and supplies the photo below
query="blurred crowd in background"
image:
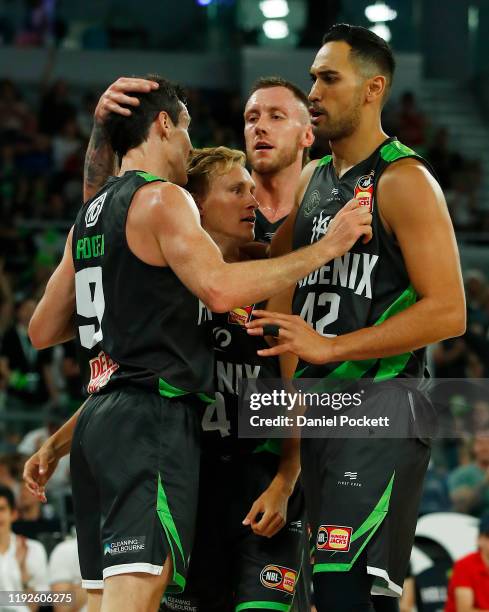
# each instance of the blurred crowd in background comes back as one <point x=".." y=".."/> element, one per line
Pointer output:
<point x="43" y="137"/>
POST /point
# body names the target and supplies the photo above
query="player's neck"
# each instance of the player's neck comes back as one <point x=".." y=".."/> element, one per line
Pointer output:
<point x="275" y="193"/>
<point x="353" y="149"/>
<point x="147" y="159"/>
<point x="228" y="246"/>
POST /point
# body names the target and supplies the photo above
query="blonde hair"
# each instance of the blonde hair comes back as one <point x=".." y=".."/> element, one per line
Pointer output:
<point x="206" y="163"/>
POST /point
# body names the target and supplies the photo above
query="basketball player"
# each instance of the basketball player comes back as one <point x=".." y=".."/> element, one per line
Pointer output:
<point x="136" y="258"/>
<point x="277" y="133"/>
<point x="249" y="545"/>
<point x="368" y="313"/>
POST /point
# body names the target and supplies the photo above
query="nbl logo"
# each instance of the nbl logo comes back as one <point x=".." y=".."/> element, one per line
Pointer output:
<point x="334" y="537"/>
<point x="94" y="210"/>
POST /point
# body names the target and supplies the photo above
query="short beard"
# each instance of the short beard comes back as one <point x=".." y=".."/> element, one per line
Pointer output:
<point x="284" y="160"/>
<point x="342" y="128"/>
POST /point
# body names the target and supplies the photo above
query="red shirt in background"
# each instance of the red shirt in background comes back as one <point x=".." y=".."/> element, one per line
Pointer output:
<point x="471" y="572"/>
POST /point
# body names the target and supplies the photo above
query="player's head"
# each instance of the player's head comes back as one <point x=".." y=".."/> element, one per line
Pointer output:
<point x="277" y="125"/>
<point x="162" y="118"/>
<point x="223" y="190"/>
<point x="352" y="71"/>
<point x="8" y="512"/>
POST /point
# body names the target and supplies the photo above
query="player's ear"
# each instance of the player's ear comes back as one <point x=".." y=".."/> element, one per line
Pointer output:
<point x="308" y="138"/>
<point x="375" y="88"/>
<point x="164" y="123"/>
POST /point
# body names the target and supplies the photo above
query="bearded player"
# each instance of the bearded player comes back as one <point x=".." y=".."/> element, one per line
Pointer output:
<point x="370" y="313"/>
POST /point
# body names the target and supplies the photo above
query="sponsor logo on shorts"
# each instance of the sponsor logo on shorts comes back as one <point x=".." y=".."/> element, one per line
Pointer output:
<point x="101" y="369"/>
<point x="295" y="526"/>
<point x="94" y="210"/>
<point x="278" y="578"/>
<point x="364" y="190"/>
<point x="350" y="480"/>
<point x="182" y="605"/>
<point x="240" y="316"/>
<point x="334" y="537"/>
<point x="128" y="545"/>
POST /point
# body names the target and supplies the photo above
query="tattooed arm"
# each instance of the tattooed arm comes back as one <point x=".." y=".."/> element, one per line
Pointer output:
<point x="100" y="161"/>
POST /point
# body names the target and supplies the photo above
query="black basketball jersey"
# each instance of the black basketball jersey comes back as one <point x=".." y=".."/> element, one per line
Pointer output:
<point x="235" y="359"/>
<point x="137" y="323"/>
<point x="264" y="229"/>
<point x="366" y="285"/>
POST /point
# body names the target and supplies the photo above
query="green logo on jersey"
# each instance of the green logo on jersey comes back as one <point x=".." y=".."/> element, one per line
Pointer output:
<point x="90" y="247"/>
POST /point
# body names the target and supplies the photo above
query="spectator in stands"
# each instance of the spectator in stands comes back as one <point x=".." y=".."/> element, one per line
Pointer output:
<point x="445" y="162"/>
<point x="23" y="562"/>
<point x="468" y="590"/>
<point x="65" y="575"/>
<point x="33" y="440"/>
<point x="410" y="122"/>
<point x="462" y="202"/>
<point x="436" y="497"/>
<point x="469" y="484"/>
<point x="29" y="371"/>
<point x="31" y="521"/>
<point x="10" y="475"/>
<point x="56" y="108"/>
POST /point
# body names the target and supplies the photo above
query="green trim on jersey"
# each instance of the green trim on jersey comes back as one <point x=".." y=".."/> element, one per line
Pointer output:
<point x="325" y="160"/>
<point x="395" y="150"/>
<point x="272" y="445"/>
<point x="389" y="367"/>
<point x="370" y="524"/>
<point x="166" y="519"/>
<point x="263" y="605"/>
<point x="147" y="176"/>
<point x="168" y="390"/>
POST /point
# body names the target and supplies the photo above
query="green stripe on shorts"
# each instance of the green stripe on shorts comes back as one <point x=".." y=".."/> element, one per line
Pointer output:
<point x="166" y="518"/>
<point x="371" y="523"/>
<point x="263" y="605"/>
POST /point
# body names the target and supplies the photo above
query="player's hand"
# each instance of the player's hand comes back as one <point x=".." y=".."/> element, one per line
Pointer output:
<point x="116" y="97"/>
<point x="352" y="222"/>
<point x="269" y="512"/>
<point x="294" y="336"/>
<point x="39" y="469"/>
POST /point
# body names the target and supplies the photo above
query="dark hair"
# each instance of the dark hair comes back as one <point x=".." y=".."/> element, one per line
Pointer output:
<point x="126" y="133"/>
<point x="366" y="47"/>
<point x="276" y="81"/>
<point x="9" y="496"/>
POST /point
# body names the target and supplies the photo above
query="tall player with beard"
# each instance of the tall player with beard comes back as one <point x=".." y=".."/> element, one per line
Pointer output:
<point x="368" y="314"/>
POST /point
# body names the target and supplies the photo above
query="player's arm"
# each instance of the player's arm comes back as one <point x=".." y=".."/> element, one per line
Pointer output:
<point x="413" y="207"/>
<point x="281" y="245"/>
<point x="39" y="468"/>
<point x="268" y="514"/>
<point x="52" y="322"/>
<point x="100" y="159"/>
<point x="174" y="220"/>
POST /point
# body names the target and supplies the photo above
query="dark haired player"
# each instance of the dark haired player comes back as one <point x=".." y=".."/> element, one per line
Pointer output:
<point x="367" y="314"/>
<point x="139" y="261"/>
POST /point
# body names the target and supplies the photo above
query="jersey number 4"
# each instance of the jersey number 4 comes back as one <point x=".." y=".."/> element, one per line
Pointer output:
<point x="90" y="304"/>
